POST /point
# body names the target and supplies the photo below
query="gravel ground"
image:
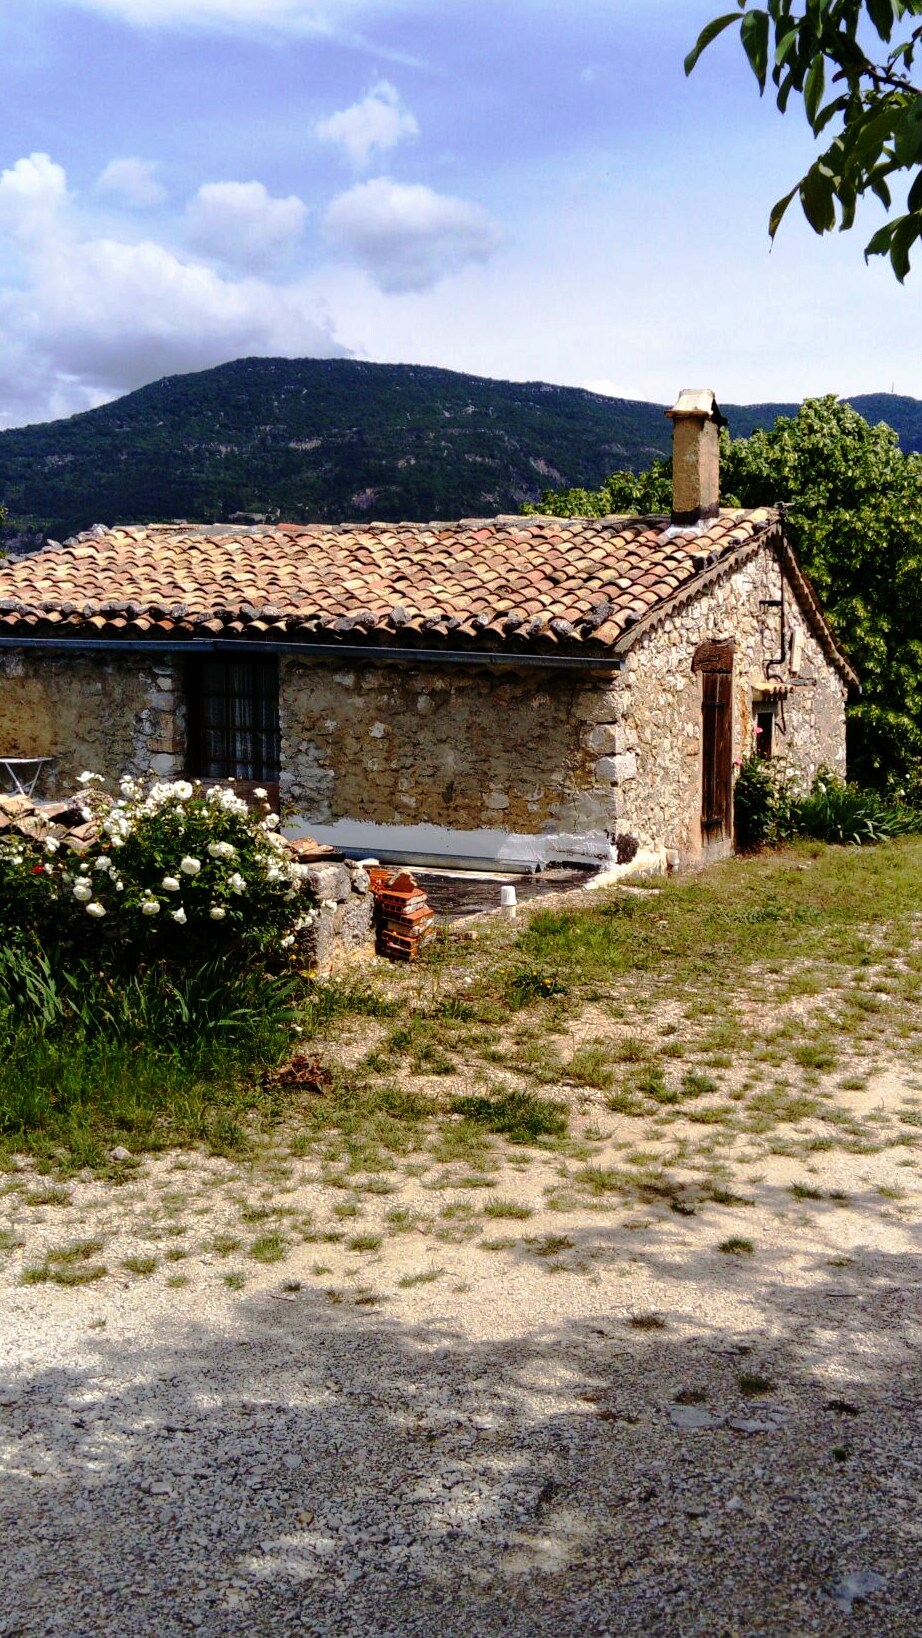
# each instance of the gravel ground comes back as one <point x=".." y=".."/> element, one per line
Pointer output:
<point x="494" y="1449"/>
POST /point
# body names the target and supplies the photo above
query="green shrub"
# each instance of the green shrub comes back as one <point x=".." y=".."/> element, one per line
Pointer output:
<point x="768" y="810"/>
<point x="172" y="870"/>
<point x="764" y="804"/>
<point x="836" y="812"/>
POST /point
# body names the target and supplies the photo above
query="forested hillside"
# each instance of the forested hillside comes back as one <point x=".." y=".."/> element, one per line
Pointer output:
<point x="327" y="439"/>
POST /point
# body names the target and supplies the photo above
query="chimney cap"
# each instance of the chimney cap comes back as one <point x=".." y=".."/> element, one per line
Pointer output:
<point x="697" y="402"/>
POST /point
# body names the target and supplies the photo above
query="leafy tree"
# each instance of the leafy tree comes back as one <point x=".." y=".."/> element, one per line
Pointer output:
<point x="851" y="61"/>
<point x="854" y="517"/>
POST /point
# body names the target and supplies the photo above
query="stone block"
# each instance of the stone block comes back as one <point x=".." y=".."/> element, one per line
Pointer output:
<point x="330" y="881"/>
<point x="352" y="921"/>
<point x="606" y="739"/>
<point x="617" y="769"/>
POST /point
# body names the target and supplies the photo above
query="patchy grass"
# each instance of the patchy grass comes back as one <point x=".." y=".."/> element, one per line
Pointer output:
<point x="736" y="1246"/>
<point x="136" y="1264"/>
<point x="269" y="1248"/>
<point x="523" y="1117"/>
<point x="811" y="970"/>
<point x="68" y="1265"/>
<point x="507" y="1208"/>
<point x="752" y="1384"/>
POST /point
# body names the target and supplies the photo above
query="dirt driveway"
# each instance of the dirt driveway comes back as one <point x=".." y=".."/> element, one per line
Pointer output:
<point x="599" y="1422"/>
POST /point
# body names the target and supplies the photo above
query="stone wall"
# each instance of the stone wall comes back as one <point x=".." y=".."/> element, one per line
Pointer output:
<point x="109" y="715"/>
<point x="657" y="795"/>
<point x="473" y="749"/>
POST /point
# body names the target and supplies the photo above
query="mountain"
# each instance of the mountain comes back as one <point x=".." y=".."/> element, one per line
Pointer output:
<point x="329" y="439"/>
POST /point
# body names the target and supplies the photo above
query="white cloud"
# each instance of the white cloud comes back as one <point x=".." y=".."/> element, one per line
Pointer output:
<point x="32" y="193"/>
<point x="371" y="127"/>
<point x="409" y="237"/>
<point x="242" y="225"/>
<point x="316" y="16"/>
<point x="96" y="316"/>
<point x="133" y="182"/>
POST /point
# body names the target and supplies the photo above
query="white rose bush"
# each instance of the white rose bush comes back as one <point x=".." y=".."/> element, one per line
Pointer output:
<point x="171" y="871"/>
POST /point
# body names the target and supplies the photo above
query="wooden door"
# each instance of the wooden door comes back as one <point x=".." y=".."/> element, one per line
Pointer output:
<point x="717" y="755"/>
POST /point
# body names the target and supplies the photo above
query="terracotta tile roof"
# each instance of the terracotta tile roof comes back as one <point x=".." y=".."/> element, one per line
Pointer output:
<point x="513" y="584"/>
<point x="558" y="584"/>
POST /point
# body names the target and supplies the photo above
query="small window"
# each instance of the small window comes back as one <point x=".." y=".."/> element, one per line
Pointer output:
<point x="765" y="730"/>
<point x="234" y="720"/>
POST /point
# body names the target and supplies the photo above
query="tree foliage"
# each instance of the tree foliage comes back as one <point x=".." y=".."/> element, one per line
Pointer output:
<point x="851" y="62"/>
<point x="854" y="518"/>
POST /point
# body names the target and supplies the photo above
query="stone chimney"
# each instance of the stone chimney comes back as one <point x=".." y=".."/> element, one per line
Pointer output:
<point x="696" y="423"/>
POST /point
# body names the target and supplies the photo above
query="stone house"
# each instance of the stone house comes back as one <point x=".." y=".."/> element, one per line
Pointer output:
<point x="521" y="689"/>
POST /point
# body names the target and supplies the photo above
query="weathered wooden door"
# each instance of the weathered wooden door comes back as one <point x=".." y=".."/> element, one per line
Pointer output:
<point x="716" y="755"/>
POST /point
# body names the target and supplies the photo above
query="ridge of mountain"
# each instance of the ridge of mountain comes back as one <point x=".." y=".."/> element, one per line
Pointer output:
<point x="339" y="439"/>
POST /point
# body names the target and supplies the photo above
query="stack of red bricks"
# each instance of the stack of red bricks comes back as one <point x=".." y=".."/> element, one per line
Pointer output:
<point x="404" y="918"/>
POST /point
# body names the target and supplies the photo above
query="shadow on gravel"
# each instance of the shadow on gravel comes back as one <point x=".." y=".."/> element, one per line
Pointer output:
<point x="322" y="1469"/>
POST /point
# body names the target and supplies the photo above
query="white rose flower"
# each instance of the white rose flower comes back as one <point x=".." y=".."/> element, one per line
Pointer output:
<point x="182" y="790"/>
<point x="260" y="794"/>
<point x="95" y="909"/>
<point x="190" y="866"/>
<point x="271" y="821"/>
<point x="217" y="912"/>
<point x="237" y="883"/>
<point x="52" y="845"/>
<point x="83" y="891"/>
<point x="287" y="941"/>
<point x="273" y="874"/>
<point x="179" y="915"/>
<point x="170" y="884"/>
<point x="87" y="778"/>
<point x="150" y="907"/>
<point x="103" y="862"/>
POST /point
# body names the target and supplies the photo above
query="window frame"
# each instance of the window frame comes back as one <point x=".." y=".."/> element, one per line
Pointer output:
<point x="259" y="700"/>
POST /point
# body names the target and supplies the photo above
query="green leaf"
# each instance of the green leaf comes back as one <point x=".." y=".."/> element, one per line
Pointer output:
<point x="709" y="33"/>
<point x="817" y="196"/>
<point x="883" y="14"/>
<point x="754" y="35"/>
<point x="778" y="210"/>
<point x="914" y="199"/>
<point x="905" y="233"/>
<point x="814" y="89"/>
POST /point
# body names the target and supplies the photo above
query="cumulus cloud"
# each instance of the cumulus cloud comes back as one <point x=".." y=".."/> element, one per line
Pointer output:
<point x="408" y="236"/>
<point x="242" y="225"/>
<point x="95" y="316"/>
<point x="32" y="193"/>
<point x="297" y="14"/>
<point x="133" y="182"/>
<point x="371" y="127"/>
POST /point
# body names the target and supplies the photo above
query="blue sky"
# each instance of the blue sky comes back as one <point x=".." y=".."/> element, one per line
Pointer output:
<point x="518" y="188"/>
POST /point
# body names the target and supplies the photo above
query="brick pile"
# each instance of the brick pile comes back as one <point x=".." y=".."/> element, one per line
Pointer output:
<point x="404" y="918"/>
